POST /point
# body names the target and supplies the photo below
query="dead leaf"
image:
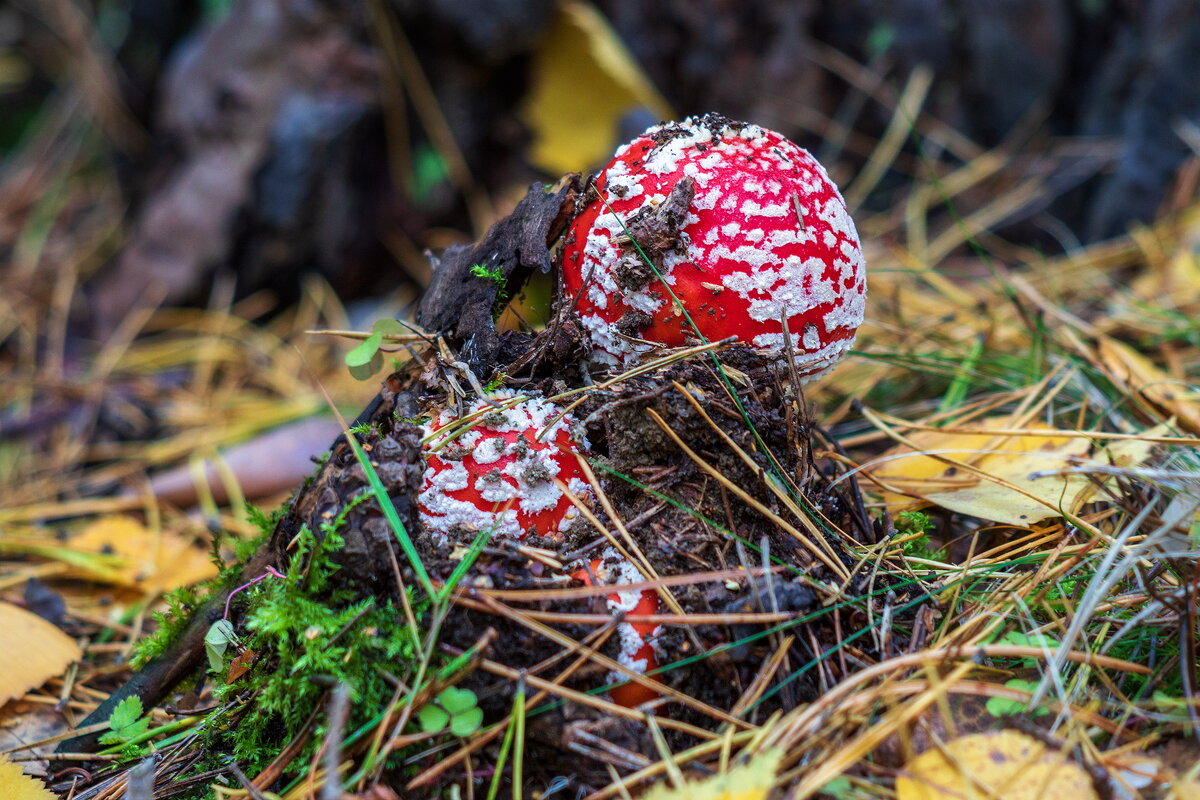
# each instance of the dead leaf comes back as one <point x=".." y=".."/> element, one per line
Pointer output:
<point x="1030" y="492"/>
<point x="1004" y="764"/>
<point x="583" y="81"/>
<point x="272" y="462"/>
<point x="45" y="652"/>
<point x="152" y="562"/>
<point x="16" y="785"/>
<point x="1138" y="375"/>
<point x="1131" y="775"/>
<point x="1185" y="790"/>
<point x="240" y="666"/>
<point x="22" y="722"/>
<point x="750" y="781"/>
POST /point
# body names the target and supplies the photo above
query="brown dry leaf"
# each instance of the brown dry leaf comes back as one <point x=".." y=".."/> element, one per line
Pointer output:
<point x="16" y="785"/>
<point x="1138" y="375"/>
<point x="151" y="562"/>
<point x="45" y="652"/>
<point x="240" y="666"/>
<point x="584" y="81"/>
<point x="1004" y="764"/>
<point x="1020" y="461"/>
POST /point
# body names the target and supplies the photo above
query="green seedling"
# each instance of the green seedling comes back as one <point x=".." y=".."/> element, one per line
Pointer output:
<point x="126" y="726"/>
<point x="455" y="708"/>
<point x="366" y="359"/>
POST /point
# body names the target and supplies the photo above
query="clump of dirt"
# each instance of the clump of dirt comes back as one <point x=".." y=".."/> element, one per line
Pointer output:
<point x="709" y="464"/>
<point x="653" y="232"/>
<point x="747" y="428"/>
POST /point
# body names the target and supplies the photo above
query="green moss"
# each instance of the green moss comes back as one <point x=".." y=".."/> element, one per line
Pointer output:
<point x="181" y="603"/>
<point x="308" y="635"/>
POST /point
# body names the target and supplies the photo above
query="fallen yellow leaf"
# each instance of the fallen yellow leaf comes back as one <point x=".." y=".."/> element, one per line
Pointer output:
<point x="751" y="781"/>
<point x="16" y="785"/>
<point x="1021" y="488"/>
<point x="1137" y="374"/>
<point x="1004" y="764"/>
<point x="1185" y="790"/>
<point x="583" y="81"/>
<point x="149" y="561"/>
<point x="44" y="650"/>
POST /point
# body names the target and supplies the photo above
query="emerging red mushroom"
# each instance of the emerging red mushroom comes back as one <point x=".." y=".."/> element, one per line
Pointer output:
<point x="636" y="639"/>
<point x="500" y="470"/>
<point x="494" y="467"/>
<point x="746" y="229"/>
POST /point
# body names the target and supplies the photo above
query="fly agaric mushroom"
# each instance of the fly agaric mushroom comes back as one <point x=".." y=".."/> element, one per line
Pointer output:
<point x="746" y="229"/>
<point x="498" y="468"/>
<point x="636" y="639"/>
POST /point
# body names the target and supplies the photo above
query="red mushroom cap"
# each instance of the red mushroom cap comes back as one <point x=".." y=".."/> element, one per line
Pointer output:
<point x="501" y="471"/>
<point x="636" y="638"/>
<point x="744" y="226"/>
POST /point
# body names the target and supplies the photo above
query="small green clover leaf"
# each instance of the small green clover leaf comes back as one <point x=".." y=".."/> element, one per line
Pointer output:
<point x="432" y="718"/>
<point x="455" y="707"/>
<point x="839" y="788"/>
<point x="463" y="725"/>
<point x="365" y="359"/>
<point x="1029" y="640"/>
<point x="125" y="722"/>
<point x="1004" y="706"/>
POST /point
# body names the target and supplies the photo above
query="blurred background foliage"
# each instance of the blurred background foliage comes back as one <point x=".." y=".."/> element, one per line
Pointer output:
<point x="268" y="139"/>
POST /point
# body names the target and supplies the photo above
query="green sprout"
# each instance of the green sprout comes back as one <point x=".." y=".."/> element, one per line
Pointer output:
<point x="366" y="359"/>
<point x="455" y="708"/>
<point x="127" y="726"/>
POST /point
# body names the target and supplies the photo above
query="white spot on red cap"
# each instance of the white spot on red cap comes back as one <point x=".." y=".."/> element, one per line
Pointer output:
<point x="638" y="646"/>
<point x="500" y="473"/>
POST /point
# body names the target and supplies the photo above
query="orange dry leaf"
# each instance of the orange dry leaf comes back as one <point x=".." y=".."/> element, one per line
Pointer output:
<point x="1017" y="490"/>
<point x="44" y="652"/>
<point x="1138" y="375"/>
<point x="16" y="785"/>
<point x="149" y="561"/>
<point x="1004" y="764"/>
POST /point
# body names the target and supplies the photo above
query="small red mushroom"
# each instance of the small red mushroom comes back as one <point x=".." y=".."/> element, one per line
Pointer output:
<point x="637" y="639"/>
<point x="744" y="226"/>
<point x="500" y="472"/>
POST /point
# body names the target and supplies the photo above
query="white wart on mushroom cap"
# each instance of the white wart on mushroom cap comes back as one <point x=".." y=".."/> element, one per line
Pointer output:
<point x="744" y="226"/>
<point x="500" y="472"/>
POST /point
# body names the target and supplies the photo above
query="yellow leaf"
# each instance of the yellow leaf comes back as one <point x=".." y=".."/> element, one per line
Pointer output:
<point x="1027" y="495"/>
<point x="16" y="785"/>
<point x="149" y="561"/>
<point x="1137" y="374"/>
<point x="583" y="81"/>
<point x="1004" y="764"/>
<point x="1185" y="790"/>
<point x="44" y="650"/>
<point x="751" y="781"/>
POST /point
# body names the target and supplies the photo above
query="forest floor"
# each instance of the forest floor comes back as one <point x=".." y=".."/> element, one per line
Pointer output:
<point x="991" y="507"/>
